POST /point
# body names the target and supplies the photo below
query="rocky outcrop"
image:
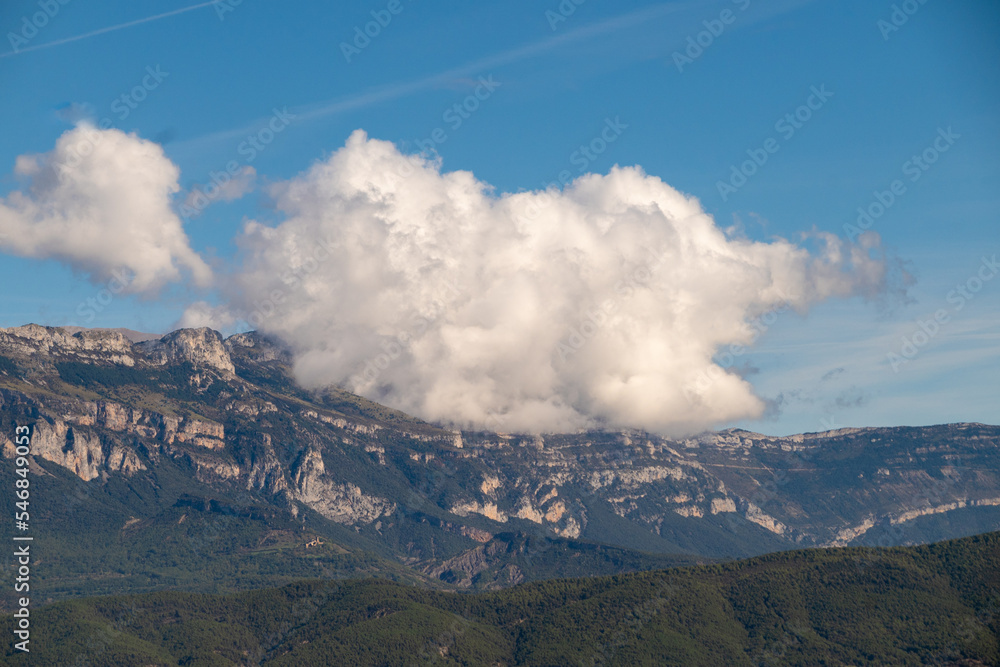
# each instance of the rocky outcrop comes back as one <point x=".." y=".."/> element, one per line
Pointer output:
<point x="691" y="511"/>
<point x="847" y="535"/>
<point x="633" y="477"/>
<point x="340" y="502"/>
<point x="124" y="460"/>
<point x="488" y="510"/>
<point x="148" y="424"/>
<point x="341" y="423"/>
<point x="257" y="348"/>
<point x="490" y="484"/>
<point x="762" y="519"/>
<point x="462" y="568"/>
<point x="79" y="450"/>
<point x="99" y="346"/>
<point x="720" y="505"/>
<point x="200" y="347"/>
<point x="265" y="471"/>
<point x="477" y="534"/>
<point x="962" y="503"/>
<point x="211" y="468"/>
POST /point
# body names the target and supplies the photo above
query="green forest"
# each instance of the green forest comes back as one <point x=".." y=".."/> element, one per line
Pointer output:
<point x="929" y="605"/>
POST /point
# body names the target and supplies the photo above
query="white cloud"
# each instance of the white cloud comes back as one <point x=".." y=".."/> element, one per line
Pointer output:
<point x="101" y="203"/>
<point x="603" y="304"/>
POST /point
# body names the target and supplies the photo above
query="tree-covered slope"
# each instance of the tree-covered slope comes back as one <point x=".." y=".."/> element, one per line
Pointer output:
<point x="929" y="605"/>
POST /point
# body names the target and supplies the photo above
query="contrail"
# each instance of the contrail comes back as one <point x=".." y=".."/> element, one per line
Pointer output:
<point x="108" y="29"/>
<point x="402" y="89"/>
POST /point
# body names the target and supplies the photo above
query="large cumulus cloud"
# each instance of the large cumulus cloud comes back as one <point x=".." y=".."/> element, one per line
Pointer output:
<point x="603" y="304"/>
<point x="101" y="203"/>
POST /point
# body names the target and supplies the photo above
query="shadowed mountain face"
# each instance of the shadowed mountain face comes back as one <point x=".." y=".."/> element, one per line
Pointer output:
<point x="155" y="458"/>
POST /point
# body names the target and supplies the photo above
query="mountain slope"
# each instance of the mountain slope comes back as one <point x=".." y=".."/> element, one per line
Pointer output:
<point x="936" y="604"/>
<point x="210" y="442"/>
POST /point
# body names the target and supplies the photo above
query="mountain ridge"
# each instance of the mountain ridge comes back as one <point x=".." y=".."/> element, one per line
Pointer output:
<point x="224" y="419"/>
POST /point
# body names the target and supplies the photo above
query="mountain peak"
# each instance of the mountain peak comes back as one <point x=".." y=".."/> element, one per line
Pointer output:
<point x="201" y="347"/>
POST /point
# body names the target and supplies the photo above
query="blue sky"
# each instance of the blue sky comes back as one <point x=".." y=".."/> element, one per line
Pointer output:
<point x="227" y="67"/>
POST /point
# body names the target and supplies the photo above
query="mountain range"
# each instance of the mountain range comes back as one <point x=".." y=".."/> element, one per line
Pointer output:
<point x="195" y="461"/>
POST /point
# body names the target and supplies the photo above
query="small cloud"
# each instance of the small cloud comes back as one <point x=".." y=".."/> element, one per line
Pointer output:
<point x="76" y="112"/>
<point x="852" y="398"/>
<point x="773" y="408"/>
<point x="165" y="136"/>
<point x="204" y="314"/>
<point x="745" y="370"/>
<point x="97" y="185"/>
<point x="832" y="374"/>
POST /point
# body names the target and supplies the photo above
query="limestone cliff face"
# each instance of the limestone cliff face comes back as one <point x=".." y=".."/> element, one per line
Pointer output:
<point x="71" y="436"/>
<point x="210" y="468"/>
<point x="86" y="345"/>
<point x="744" y="478"/>
<point x="77" y="449"/>
<point x="145" y="423"/>
<point x="488" y="510"/>
<point x="471" y="563"/>
<point x="264" y="471"/>
<point x="201" y="347"/>
<point x="340" y="502"/>
<point x="81" y="450"/>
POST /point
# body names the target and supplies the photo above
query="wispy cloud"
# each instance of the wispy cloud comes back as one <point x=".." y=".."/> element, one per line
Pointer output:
<point x="397" y="90"/>
<point x="101" y="31"/>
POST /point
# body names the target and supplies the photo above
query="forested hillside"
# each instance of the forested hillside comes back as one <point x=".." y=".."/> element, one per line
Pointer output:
<point x="929" y="605"/>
